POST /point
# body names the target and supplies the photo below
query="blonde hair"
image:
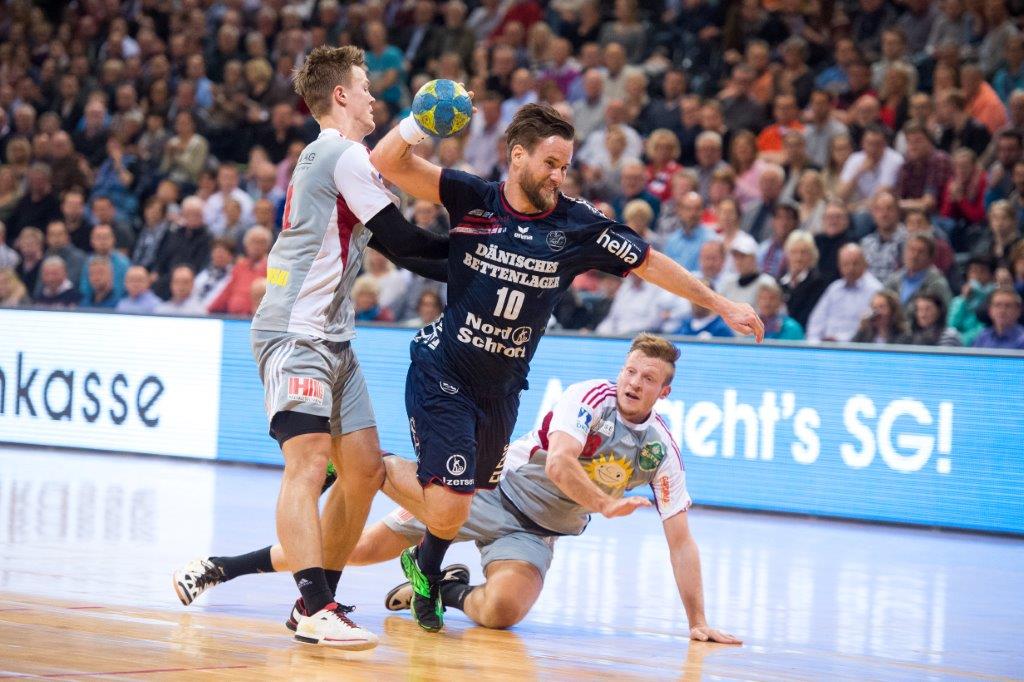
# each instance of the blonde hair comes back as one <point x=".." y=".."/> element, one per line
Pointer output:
<point x="802" y="238"/>
<point x="652" y="346"/>
<point x="325" y="69"/>
<point x="662" y="135"/>
<point x="18" y="291"/>
<point x="638" y="209"/>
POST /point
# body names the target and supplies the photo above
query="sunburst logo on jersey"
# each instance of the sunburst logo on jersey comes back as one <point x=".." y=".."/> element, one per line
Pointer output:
<point x="611" y="473"/>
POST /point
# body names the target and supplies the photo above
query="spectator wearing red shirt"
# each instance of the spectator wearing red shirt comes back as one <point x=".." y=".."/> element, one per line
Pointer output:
<point x="236" y="298"/>
<point x="787" y="118"/>
<point x="662" y="150"/>
<point x="964" y="199"/>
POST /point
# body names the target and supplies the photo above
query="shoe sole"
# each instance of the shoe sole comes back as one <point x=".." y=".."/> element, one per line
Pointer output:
<point x="407" y="569"/>
<point x="179" y="590"/>
<point x="359" y="645"/>
<point x="392" y="593"/>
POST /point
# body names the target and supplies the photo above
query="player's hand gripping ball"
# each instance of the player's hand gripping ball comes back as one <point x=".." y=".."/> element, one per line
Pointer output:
<point x="442" y="108"/>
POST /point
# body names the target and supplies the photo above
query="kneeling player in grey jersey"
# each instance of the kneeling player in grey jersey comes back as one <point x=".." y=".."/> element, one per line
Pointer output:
<point x="599" y="440"/>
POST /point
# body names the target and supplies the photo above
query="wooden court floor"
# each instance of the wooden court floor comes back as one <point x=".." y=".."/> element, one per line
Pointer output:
<point x="87" y="544"/>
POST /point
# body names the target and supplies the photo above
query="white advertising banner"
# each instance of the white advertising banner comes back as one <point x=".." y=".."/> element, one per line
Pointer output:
<point x="111" y="382"/>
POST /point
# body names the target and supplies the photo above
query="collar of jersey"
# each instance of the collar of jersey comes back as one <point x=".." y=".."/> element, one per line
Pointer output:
<point x="523" y="216"/>
<point x="642" y="426"/>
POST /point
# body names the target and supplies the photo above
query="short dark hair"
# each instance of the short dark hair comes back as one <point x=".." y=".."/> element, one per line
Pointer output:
<point x="224" y="243"/>
<point x="533" y="123"/>
<point x="984" y="260"/>
<point x="914" y="127"/>
<point x="1012" y="135"/>
<point x="928" y="242"/>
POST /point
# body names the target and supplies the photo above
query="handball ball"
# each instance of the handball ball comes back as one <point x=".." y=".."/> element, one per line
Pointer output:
<point x="442" y="108"/>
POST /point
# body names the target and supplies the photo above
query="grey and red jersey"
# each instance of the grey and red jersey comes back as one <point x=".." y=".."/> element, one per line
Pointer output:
<point x="617" y="456"/>
<point x="334" y="191"/>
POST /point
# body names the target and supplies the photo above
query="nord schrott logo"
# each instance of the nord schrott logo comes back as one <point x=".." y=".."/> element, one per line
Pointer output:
<point x="29" y="390"/>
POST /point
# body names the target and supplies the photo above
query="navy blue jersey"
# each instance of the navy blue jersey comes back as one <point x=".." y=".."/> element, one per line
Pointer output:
<point x="506" y="272"/>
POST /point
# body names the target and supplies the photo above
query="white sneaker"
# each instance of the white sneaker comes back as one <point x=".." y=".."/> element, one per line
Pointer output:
<point x="196" y="577"/>
<point x="331" y="626"/>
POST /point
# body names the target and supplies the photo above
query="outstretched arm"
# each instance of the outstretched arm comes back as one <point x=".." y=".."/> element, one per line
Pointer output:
<point x="661" y="270"/>
<point x="394" y="159"/>
<point x="564" y="470"/>
<point x="685" y="559"/>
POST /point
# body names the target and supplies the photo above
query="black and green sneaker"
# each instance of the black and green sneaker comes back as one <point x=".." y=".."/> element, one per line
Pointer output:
<point x="426" y="606"/>
<point x="329" y="478"/>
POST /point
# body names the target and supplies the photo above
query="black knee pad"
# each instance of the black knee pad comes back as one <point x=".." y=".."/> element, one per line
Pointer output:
<point x="287" y="425"/>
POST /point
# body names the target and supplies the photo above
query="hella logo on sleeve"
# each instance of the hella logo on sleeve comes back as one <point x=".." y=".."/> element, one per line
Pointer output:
<point x="618" y="247"/>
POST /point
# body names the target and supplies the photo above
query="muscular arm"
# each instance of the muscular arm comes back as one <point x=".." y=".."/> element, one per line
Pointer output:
<point x="394" y="159"/>
<point x="564" y="470"/>
<point x="664" y="272"/>
<point x="685" y="558"/>
<point x="401" y="238"/>
<point x="435" y="269"/>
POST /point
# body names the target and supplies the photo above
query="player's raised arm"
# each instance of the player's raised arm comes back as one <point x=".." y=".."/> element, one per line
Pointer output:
<point x="394" y="159"/>
<point x="659" y="269"/>
<point x="685" y="559"/>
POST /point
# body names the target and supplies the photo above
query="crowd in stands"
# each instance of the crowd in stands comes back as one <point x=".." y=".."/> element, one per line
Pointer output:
<point x="854" y="169"/>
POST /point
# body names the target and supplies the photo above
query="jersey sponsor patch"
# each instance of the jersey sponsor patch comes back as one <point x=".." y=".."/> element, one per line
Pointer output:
<point x="306" y="390"/>
<point x="278" y="277"/>
<point x="583" y="421"/>
<point x="610" y="473"/>
<point x="651" y="456"/>
<point x="619" y="247"/>
<point x="607" y="428"/>
<point x="448" y="388"/>
<point x="663" y="491"/>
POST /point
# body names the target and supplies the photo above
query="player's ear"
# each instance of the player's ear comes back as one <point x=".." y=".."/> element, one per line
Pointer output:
<point x="665" y="390"/>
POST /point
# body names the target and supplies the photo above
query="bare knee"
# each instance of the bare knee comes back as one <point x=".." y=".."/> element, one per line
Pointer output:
<point x="447" y="512"/>
<point x="306" y="467"/>
<point x="500" y="611"/>
<point x="365" y="474"/>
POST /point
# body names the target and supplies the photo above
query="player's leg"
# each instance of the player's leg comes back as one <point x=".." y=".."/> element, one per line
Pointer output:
<point x="442" y="424"/>
<point x="511" y="590"/>
<point x="301" y="376"/>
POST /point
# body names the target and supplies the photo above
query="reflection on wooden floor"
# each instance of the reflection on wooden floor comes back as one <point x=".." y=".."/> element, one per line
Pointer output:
<point x="87" y="543"/>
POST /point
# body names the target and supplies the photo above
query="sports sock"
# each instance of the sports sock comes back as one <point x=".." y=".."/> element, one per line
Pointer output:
<point x="454" y="593"/>
<point x="431" y="553"/>
<point x="333" y="578"/>
<point x="312" y="584"/>
<point x="244" y="564"/>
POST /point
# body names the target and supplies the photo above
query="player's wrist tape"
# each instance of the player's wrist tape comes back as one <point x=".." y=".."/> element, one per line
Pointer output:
<point x="410" y="131"/>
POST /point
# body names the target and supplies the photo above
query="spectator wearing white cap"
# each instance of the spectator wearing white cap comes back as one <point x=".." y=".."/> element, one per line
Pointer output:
<point x="742" y="286"/>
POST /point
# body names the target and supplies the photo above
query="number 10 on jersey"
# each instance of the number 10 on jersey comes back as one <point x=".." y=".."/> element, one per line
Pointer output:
<point x="510" y="303"/>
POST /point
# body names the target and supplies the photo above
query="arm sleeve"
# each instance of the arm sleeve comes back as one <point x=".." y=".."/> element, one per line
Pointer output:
<point x="434" y="269"/>
<point x="573" y="414"/>
<point x="461" y="193"/>
<point x="402" y="239"/>
<point x="610" y="246"/>
<point x="359" y="184"/>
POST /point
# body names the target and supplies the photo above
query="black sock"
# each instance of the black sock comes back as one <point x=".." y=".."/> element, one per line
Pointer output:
<point x="313" y="585"/>
<point x="431" y="553"/>
<point x="244" y="564"/>
<point x="333" y="578"/>
<point x="454" y="593"/>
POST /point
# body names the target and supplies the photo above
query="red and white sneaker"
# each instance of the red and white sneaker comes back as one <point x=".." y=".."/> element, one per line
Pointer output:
<point x="330" y="626"/>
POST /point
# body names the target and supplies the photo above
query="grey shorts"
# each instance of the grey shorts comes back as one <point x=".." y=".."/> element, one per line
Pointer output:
<point x="306" y="374"/>
<point x="498" y="534"/>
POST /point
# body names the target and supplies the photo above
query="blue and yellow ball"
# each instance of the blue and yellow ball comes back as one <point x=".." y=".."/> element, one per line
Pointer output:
<point x="442" y="108"/>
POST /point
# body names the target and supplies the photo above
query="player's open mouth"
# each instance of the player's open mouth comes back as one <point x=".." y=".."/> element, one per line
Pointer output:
<point x="632" y="396"/>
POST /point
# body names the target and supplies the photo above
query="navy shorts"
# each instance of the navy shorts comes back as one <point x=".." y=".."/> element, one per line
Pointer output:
<point x="460" y="440"/>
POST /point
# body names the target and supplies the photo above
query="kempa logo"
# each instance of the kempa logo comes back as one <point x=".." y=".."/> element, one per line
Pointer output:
<point x="521" y="335"/>
<point x="67" y="395"/>
<point x="448" y="388"/>
<point x="618" y="247"/>
<point x="456" y="465"/>
<point x="522" y="232"/>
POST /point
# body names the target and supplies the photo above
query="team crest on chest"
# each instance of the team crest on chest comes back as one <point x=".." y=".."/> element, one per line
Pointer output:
<point x="556" y="240"/>
<point x="650" y="456"/>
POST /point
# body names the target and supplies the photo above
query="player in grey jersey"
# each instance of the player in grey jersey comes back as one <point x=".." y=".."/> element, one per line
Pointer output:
<point x="598" y="441"/>
<point x="315" y="395"/>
